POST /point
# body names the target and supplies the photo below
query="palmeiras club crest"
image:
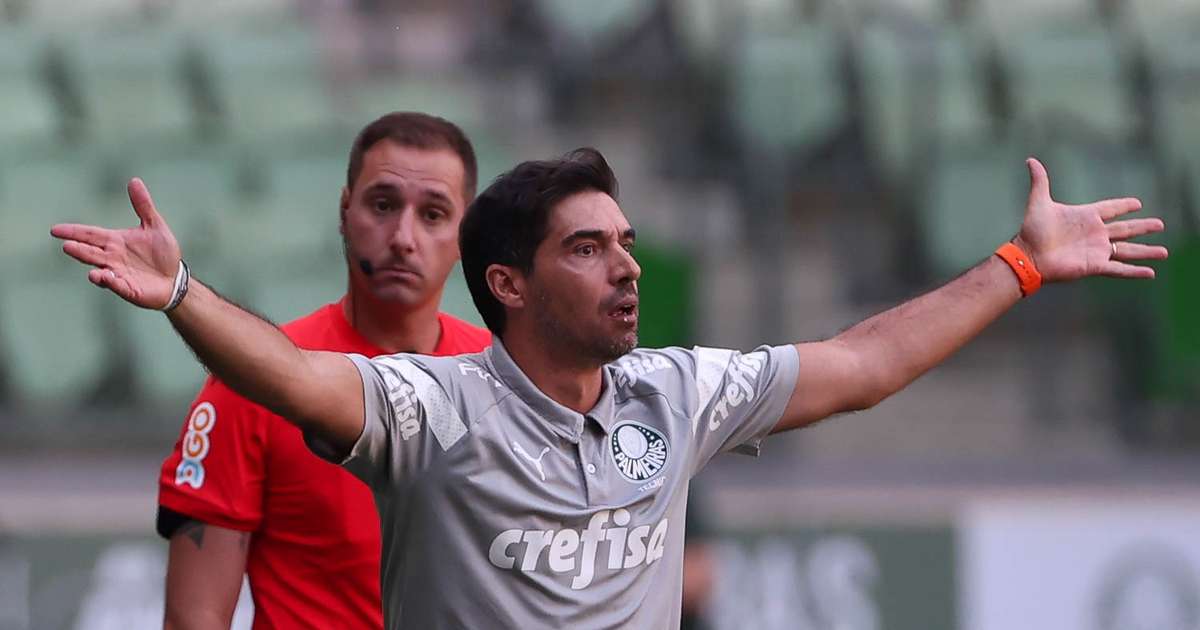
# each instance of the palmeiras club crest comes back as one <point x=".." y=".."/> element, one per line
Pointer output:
<point x="638" y="451"/>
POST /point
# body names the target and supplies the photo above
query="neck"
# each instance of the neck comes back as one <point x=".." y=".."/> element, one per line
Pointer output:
<point x="573" y="384"/>
<point x="394" y="327"/>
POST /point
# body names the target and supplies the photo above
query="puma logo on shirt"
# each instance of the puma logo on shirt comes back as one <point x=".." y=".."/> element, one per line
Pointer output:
<point x="537" y="463"/>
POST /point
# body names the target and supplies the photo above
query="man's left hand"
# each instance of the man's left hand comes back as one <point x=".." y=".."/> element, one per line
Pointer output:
<point x="1069" y="242"/>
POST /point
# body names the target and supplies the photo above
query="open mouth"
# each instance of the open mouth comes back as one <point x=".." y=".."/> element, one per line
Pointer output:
<point x="625" y="310"/>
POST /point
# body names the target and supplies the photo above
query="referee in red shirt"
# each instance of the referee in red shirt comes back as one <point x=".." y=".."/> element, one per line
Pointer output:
<point x="241" y="493"/>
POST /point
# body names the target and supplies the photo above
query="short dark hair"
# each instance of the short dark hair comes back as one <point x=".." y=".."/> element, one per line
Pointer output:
<point x="507" y="222"/>
<point x="419" y="131"/>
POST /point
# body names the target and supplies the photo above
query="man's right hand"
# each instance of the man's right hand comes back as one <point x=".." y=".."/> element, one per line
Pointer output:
<point x="139" y="264"/>
<point x="321" y="392"/>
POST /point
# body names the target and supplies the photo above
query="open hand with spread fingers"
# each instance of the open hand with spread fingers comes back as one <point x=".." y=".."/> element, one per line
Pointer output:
<point x="1068" y="242"/>
<point x="139" y="264"/>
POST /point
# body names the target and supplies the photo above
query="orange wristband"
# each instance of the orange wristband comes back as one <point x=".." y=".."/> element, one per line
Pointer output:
<point x="1021" y="265"/>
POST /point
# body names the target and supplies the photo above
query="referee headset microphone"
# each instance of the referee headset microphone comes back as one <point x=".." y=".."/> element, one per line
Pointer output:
<point x="364" y="263"/>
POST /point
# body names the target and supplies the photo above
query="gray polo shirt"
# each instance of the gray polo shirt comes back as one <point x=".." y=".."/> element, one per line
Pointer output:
<point x="501" y="508"/>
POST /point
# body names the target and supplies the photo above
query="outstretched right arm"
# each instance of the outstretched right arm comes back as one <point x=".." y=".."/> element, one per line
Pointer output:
<point x="321" y="392"/>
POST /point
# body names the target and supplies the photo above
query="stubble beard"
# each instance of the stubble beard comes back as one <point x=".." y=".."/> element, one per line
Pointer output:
<point x="579" y="347"/>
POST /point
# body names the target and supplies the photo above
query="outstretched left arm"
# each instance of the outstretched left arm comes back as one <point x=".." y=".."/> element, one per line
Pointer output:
<point x="881" y="355"/>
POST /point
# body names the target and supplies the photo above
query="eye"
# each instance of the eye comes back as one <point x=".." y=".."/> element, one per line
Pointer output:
<point x="628" y="247"/>
<point x="586" y="249"/>
<point x="433" y="215"/>
<point x="382" y="204"/>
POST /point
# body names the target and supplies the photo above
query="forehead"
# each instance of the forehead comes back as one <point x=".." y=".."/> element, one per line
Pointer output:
<point x="412" y="169"/>
<point x="587" y="210"/>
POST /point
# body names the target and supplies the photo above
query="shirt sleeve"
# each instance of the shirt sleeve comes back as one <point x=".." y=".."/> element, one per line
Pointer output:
<point x="408" y="417"/>
<point x="739" y="398"/>
<point x="216" y="471"/>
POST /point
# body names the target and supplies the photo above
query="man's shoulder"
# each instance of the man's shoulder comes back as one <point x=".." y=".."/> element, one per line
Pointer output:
<point x="646" y="370"/>
<point x="445" y="369"/>
<point x="460" y="337"/>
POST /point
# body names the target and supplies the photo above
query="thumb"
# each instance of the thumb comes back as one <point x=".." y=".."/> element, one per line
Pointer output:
<point x="143" y="205"/>
<point x="1039" y="181"/>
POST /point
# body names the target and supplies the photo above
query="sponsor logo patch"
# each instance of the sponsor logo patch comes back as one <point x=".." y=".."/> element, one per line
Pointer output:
<point x="638" y="451"/>
<point x="578" y="552"/>
<point x="743" y="372"/>
<point x="195" y="445"/>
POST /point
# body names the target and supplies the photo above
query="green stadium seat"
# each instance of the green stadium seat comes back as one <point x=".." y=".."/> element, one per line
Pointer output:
<point x="55" y="344"/>
<point x="292" y="216"/>
<point x="594" y="23"/>
<point x="930" y="13"/>
<point x="457" y="100"/>
<point x="284" y="291"/>
<point x="223" y="13"/>
<point x="268" y="83"/>
<point x="1070" y="77"/>
<point x="962" y="101"/>
<point x="787" y="91"/>
<point x="918" y="89"/>
<point x="132" y="83"/>
<point x="973" y="201"/>
<point x="1010" y="17"/>
<point x="27" y="108"/>
<point x="765" y="16"/>
<point x="492" y="156"/>
<point x="36" y="193"/>
<point x="1175" y="70"/>
<point x="702" y="28"/>
<point x="67" y="16"/>
<point x="163" y="369"/>
<point x="1162" y="23"/>
<point x="891" y="90"/>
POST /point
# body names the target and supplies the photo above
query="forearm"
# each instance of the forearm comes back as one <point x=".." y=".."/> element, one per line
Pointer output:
<point x="205" y="565"/>
<point x="246" y="352"/>
<point x="899" y="345"/>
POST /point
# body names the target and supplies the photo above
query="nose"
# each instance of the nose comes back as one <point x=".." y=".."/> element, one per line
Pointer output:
<point x="626" y="269"/>
<point x="403" y="239"/>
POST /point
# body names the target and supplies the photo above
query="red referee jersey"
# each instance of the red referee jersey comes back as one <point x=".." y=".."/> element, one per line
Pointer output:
<point x="313" y="560"/>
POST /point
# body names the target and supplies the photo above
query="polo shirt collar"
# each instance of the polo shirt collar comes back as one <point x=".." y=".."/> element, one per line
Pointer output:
<point x="566" y="422"/>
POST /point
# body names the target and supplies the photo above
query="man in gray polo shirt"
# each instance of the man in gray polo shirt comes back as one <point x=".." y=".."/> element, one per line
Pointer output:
<point x="543" y="482"/>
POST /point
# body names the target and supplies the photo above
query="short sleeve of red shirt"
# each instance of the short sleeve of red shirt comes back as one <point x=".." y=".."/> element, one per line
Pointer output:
<point x="216" y="472"/>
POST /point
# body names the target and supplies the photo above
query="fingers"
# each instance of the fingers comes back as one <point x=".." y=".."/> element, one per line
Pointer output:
<point x="1039" y="181"/>
<point x="143" y="205"/>
<point x="89" y="234"/>
<point x="1139" y="251"/>
<point x="1121" y="230"/>
<point x="1117" y="269"/>
<point x="86" y="253"/>
<point x="1112" y="208"/>
<point x="101" y="277"/>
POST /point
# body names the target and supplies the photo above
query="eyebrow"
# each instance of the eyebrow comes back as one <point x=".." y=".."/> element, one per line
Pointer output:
<point x="386" y="188"/>
<point x="597" y="235"/>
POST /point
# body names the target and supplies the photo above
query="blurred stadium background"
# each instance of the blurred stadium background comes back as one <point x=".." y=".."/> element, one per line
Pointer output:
<point x="795" y="164"/>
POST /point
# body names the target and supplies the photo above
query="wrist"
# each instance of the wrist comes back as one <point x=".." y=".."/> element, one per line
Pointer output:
<point x="179" y="288"/>
<point x="1025" y="247"/>
<point x="1016" y="255"/>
